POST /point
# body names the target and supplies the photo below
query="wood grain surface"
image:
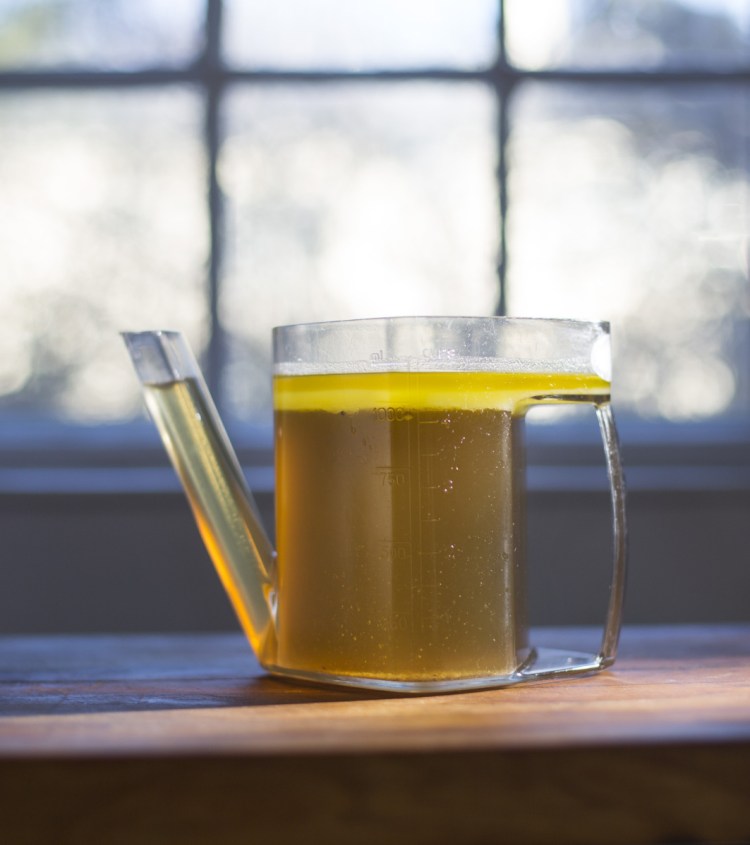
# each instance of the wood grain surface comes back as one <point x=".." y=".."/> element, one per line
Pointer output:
<point x="184" y="739"/>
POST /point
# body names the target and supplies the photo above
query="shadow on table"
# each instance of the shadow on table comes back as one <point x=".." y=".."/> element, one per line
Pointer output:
<point x="85" y="674"/>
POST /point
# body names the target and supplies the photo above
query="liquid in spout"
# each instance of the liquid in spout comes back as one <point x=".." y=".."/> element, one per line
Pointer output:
<point x="225" y="512"/>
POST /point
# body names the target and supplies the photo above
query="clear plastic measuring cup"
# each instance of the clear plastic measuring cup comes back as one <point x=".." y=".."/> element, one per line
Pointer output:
<point x="400" y="495"/>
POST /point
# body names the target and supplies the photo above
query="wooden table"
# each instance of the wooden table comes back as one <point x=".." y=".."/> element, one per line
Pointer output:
<point x="182" y="739"/>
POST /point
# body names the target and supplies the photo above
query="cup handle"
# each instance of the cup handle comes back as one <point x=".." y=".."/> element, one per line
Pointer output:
<point x="547" y="662"/>
<point x="611" y="636"/>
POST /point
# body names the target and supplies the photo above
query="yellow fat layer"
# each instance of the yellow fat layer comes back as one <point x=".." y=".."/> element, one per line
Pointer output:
<point x="469" y="391"/>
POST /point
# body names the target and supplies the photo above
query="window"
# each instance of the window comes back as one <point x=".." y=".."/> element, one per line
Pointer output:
<point x="222" y="167"/>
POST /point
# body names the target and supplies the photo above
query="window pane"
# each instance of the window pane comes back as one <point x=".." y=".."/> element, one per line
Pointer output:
<point x="106" y="33"/>
<point x="634" y="205"/>
<point x="671" y="33"/>
<point x="102" y="228"/>
<point x="354" y="201"/>
<point x="361" y="34"/>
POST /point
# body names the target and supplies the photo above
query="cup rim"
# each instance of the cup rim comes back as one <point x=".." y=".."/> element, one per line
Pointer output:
<point x="437" y="319"/>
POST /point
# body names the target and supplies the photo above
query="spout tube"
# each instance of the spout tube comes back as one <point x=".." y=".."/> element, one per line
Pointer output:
<point x="194" y="437"/>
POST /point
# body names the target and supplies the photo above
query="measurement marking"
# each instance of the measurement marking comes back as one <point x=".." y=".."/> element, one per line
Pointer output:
<point x="411" y="530"/>
<point x="428" y="453"/>
<point x="395" y="551"/>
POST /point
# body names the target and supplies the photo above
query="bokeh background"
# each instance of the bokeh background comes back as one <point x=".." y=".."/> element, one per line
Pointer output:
<point x="223" y="167"/>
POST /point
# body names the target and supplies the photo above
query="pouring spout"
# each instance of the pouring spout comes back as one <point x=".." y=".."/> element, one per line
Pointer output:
<point x="223" y="506"/>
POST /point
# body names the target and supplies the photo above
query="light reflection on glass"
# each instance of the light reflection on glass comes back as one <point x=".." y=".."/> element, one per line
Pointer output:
<point x="352" y="202"/>
<point x="111" y="34"/>
<point x="634" y="206"/>
<point x="623" y="33"/>
<point x="102" y="228"/>
<point x="361" y="34"/>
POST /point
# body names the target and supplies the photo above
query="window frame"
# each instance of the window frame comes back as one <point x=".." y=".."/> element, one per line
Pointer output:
<point x="48" y="456"/>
